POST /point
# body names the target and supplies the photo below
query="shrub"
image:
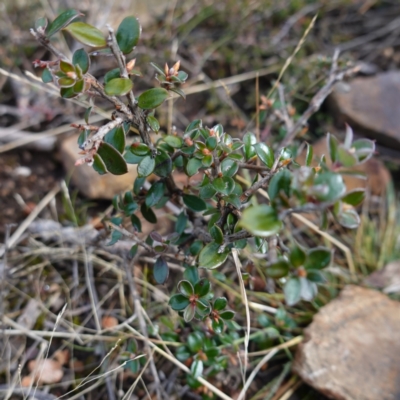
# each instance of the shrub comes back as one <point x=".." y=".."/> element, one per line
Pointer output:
<point x="218" y="216"/>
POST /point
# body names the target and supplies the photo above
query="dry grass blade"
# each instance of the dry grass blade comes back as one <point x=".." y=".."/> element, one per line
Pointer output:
<point x="183" y="367"/>
<point x="290" y="59"/>
<point x="36" y="211"/>
<point x="255" y="371"/>
<point x="238" y="265"/>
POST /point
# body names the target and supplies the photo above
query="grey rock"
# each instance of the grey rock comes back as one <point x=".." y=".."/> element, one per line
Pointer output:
<point x="372" y="105"/>
<point x="351" y="350"/>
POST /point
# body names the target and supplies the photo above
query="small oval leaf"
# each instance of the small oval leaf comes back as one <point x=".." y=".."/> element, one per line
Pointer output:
<point x="152" y="98"/>
<point x="98" y="165"/>
<point x="113" y="160"/>
<point x="210" y="257"/>
<point x="194" y="203"/>
<point x="62" y="21"/>
<point x="116" y="137"/>
<point x="82" y="59"/>
<point x="178" y="302"/>
<point x="86" y="34"/>
<point x="261" y="221"/>
<point x="265" y="154"/>
<point x="118" y="87"/>
<point x="146" y="166"/>
<point x="160" y="271"/>
<point x="128" y="34"/>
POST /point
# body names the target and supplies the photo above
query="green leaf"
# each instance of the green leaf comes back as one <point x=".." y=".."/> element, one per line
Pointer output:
<point x="280" y="182"/>
<point x="178" y="302"/>
<point x="128" y="34"/>
<point x="196" y="247"/>
<point x="318" y="258"/>
<point x="113" y="74"/>
<point x="202" y="287"/>
<point x="309" y="155"/>
<point x="261" y="221"/>
<point x="224" y="185"/>
<point x="86" y="34"/>
<point x="186" y="288"/>
<point x="163" y="164"/>
<point x="195" y="342"/>
<point x="234" y="200"/>
<point x="218" y="326"/>
<point x="345" y="158"/>
<point x="292" y="291"/>
<point x="265" y="154"/>
<point x="297" y="256"/>
<point x="227" y="315"/>
<point x="333" y="146"/>
<point x="191" y="274"/>
<point x="229" y="167"/>
<point x="98" y="165"/>
<point x="133" y="250"/>
<point x="197" y="368"/>
<point x="152" y="98"/>
<point x="67" y="92"/>
<point x="212" y="352"/>
<point x="118" y="87"/>
<point x="331" y="184"/>
<point x="113" y="160"/>
<point x="115" y="236"/>
<point x="46" y="76"/>
<point x="174" y="141"/>
<point x="83" y="137"/>
<point x="308" y="290"/>
<point x="355" y="197"/>
<point x="220" y="303"/>
<point x="278" y="269"/>
<point x="131" y="158"/>
<point x="82" y="59"/>
<point x="206" y="192"/>
<point x="87" y="114"/>
<point x="365" y="149"/>
<point x="153" y="123"/>
<point x="194" y="203"/>
<point x="315" y="276"/>
<point x="140" y="149"/>
<point x="160" y="271"/>
<point x="181" y="223"/>
<point x="136" y="223"/>
<point x="189" y="313"/>
<point x="157" y="68"/>
<point x="249" y="140"/>
<point x="116" y="138"/>
<point x="41" y="22"/>
<point x="155" y="194"/>
<point x="79" y="86"/>
<point x="148" y="214"/>
<point x="211" y="143"/>
<point x="349" y="219"/>
<point x="211" y="258"/>
<point x="193" y="166"/>
<point x="62" y="21"/>
<point x="66" y="82"/>
<point x="216" y="234"/>
<point x="207" y="160"/>
<point x="146" y="166"/>
<point x="138" y="185"/>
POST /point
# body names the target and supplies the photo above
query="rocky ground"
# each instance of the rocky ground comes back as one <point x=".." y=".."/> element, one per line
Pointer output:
<point x="350" y="350"/>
